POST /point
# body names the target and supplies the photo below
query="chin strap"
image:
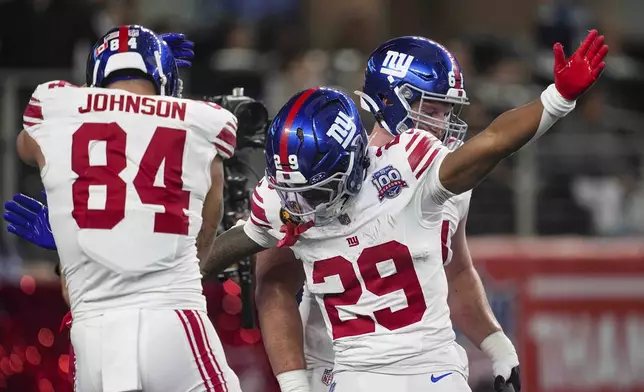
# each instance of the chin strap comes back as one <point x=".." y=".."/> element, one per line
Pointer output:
<point x="292" y="233"/>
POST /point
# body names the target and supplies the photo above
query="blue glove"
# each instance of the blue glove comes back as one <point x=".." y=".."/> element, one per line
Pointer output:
<point x="28" y="218"/>
<point x="182" y="49"/>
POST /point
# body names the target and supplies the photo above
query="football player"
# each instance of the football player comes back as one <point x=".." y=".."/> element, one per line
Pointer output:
<point x="360" y="220"/>
<point x="469" y="310"/>
<point x="134" y="179"/>
<point x="29" y="218"/>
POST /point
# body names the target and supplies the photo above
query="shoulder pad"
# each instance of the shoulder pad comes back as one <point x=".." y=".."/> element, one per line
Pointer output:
<point x="220" y="127"/>
<point x="266" y="207"/>
<point x="33" y="114"/>
<point x="418" y="148"/>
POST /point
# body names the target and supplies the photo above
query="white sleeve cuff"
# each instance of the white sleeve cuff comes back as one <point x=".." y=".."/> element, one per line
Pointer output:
<point x="259" y="235"/>
<point x="294" y="381"/>
<point x="555" y="103"/>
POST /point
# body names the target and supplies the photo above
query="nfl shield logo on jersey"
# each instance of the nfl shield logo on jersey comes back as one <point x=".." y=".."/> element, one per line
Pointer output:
<point x="327" y="377"/>
<point x="388" y="182"/>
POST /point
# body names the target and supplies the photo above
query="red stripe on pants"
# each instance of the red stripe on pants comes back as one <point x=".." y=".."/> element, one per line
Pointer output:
<point x="212" y="354"/>
<point x="200" y="341"/>
<point x="195" y="352"/>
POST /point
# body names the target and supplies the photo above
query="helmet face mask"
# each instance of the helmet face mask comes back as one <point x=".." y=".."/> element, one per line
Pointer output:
<point x="432" y="113"/>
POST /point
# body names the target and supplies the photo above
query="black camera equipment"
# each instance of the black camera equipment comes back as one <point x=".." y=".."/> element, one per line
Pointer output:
<point x="252" y="117"/>
<point x="252" y="124"/>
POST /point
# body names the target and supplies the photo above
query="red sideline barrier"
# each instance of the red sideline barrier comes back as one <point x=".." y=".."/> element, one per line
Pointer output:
<point x="579" y="309"/>
<point x="34" y="355"/>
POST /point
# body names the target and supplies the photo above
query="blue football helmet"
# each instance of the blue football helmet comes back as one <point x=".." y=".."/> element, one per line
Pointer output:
<point x="133" y="52"/>
<point x="316" y="154"/>
<point x="403" y="75"/>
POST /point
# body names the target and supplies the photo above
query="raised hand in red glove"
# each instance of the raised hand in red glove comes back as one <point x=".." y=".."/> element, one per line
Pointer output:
<point x="579" y="72"/>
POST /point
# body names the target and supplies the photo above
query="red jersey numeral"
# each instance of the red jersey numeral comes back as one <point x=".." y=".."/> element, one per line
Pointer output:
<point x="166" y="146"/>
<point x="105" y="175"/>
<point x="342" y="267"/>
<point x="404" y="279"/>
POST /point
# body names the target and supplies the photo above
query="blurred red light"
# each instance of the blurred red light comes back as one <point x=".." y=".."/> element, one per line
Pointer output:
<point x="45" y="385"/>
<point x="5" y="367"/>
<point x="46" y="337"/>
<point x="231" y="304"/>
<point x="63" y="363"/>
<point x="27" y="284"/>
<point x="250" y="336"/>
<point x="32" y="355"/>
<point x="15" y="363"/>
<point x="231" y="288"/>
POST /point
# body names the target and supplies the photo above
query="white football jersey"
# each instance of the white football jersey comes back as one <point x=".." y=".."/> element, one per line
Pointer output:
<point x="376" y="274"/>
<point x="126" y="176"/>
<point x="318" y="346"/>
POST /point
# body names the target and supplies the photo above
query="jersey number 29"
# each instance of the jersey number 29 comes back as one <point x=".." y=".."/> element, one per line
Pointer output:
<point x="166" y="146"/>
<point x="404" y="279"/>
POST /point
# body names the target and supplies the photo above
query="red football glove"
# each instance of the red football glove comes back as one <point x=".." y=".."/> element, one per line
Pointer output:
<point x="575" y="76"/>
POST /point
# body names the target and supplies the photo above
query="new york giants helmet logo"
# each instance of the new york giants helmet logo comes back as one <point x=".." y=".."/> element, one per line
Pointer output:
<point x="343" y="130"/>
<point x="388" y="182"/>
<point x="396" y="64"/>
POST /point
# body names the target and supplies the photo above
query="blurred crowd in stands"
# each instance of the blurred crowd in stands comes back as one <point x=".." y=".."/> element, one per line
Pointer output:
<point x="584" y="177"/>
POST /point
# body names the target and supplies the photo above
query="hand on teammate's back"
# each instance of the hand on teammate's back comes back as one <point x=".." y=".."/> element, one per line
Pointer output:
<point x="575" y="75"/>
<point x="182" y="49"/>
<point x="28" y="218"/>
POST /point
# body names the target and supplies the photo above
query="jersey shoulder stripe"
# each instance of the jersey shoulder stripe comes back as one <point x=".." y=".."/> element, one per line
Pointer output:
<point x="265" y="206"/>
<point x="420" y="150"/>
<point x="33" y="113"/>
<point x="219" y="125"/>
<point x="257" y="212"/>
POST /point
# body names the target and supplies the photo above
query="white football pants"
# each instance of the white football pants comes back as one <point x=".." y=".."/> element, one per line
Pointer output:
<point x="347" y="381"/>
<point x="151" y="351"/>
<point x="320" y="378"/>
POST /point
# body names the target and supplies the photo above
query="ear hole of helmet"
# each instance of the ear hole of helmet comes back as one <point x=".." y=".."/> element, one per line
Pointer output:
<point x="385" y="100"/>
